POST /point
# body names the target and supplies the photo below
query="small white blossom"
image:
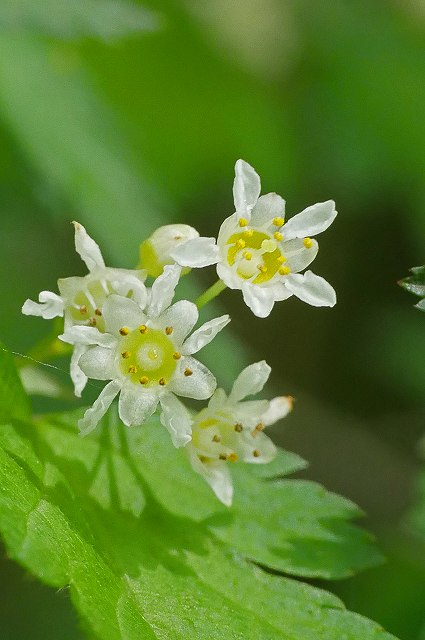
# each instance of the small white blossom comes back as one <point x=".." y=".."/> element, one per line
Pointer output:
<point x="155" y="252"/>
<point x="81" y="299"/>
<point x="148" y="358"/>
<point x="230" y="430"/>
<point x="257" y="252"/>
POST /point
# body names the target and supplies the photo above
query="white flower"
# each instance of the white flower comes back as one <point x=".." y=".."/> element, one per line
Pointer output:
<point x="148" y="358"/>
<point x="81" y="299"/>
<point x="259" y="253"/>
<point x="155" y="252"/>
<point x="230" y="430"/>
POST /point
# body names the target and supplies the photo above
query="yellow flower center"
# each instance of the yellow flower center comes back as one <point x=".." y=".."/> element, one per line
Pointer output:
<point x="86" y="307"/>
<point x="148" y="356"/>
<point x="257" y="256"/>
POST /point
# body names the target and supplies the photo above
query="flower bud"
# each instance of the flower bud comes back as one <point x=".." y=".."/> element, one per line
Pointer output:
<point x="155" y="251"/>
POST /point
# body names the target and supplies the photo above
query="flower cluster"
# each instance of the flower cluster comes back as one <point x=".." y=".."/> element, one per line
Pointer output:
<point x="143" y="343"/>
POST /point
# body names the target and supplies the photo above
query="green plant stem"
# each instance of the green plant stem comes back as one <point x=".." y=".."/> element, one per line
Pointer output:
<point x="210" y="294"/>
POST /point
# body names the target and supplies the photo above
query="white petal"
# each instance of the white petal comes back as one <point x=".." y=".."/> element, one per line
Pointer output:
<point x="280" y="292"/>
<point x="78" y="377"/>
<point x="136" y="404"/>
<point x="297" y="255"/>
<point x="246" y="187"/>
<point x="217" y="475"/>
<point x="199" y="252"/>
<point x="98" y="363"/>
<point x="218" y="398"/>
<point x="121" y="312"/>
<point x="250" y="381"/>
<point x="200" y="385"/>
<point x="51" y="306"/>
<point x="268" y="207"/>
<point x="99" y="408"/>
<point x="176" y="419"/>
<point x="127" y="281"/>
<point x="228" y="227"/>
<point x="261" y="444"/>
<point x="204" y="335"/>
<point x="259" y="299"/>
<point x="278" y="408"/>
<point x="311" y="221"/>
<point x="87" y="248"/>
<point x="182" y="316"/>
<point x="162" y="291"/>
<point x="312" y="289"/>
<point x="79" y="334"/>
<point x="228" y="276"/>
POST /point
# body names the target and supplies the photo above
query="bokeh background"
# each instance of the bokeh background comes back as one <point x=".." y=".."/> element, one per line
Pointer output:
<point x="125" y="120"/>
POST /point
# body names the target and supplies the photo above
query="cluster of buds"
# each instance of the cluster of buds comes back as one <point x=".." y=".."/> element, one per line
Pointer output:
<point x="133" y="336"/>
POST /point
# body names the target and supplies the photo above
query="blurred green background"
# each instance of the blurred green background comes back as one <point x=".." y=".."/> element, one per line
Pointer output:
<point x="125" y="120"/>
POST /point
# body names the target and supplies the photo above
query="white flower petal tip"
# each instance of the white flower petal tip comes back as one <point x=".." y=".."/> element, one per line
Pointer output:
<point x="87" y="248"/>
<point x="311" y="221"/>
<point x="259" y="300"/>
<point x="50" y="306"/>
<point x="163" y="288"/>
<point x="246" y="188"/>
<point x="278" y="409"/>
<point x="312" y="289"/>
<point x="205" y="334"/>
<point x="250" y="381"/>
<point x="176" y="419"/>
<point x="196" y="253"/>
<point x="94" y="414"/>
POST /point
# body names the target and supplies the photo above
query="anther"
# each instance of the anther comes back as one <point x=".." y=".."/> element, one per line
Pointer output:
<point x="238" y="427"/>
<point x="247" y="255"/>
<point x="162" y="382"/>
<point x="168" y="330"/>
<point x="124" y="331"/>
<point x="144" y="380"/>
<point x="126" y="354"/>
<point x="248" y="233"/>
<point x="233" y="457"/>
<point x="278" y="236"/>
<point x="216" y="438"/>
<point x="278" y="222"/>
<point x="143" y="328"/>
<point x="83" y="309"/>
<point x="256" y="453"/>
<point x="188" y="372"/>
<point x="308" y="243"/>
<point x="98" y="312"/>
<point x="281" y="259"/>
<point x="132" y="369"/>
<point x="243" y="222"/>
<point x="203" y="458"/>
<point x="222" y="456"/>
<point x="240" y="243"/>
<point x="262" y="268"/>
<point x="92" y="322"/>
<point x="177" y="355"/>
<point x="283" y="271"/>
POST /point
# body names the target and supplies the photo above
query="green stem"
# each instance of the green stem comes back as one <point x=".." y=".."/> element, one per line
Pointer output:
<point x="210" y="294"/>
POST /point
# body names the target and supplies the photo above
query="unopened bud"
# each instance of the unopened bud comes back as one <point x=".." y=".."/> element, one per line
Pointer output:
<point x="155" y="251"/>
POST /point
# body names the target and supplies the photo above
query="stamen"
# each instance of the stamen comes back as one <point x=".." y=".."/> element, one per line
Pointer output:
<point x="243" y="222"/>
<point x="83" y="309"/>
<point x="281" y="259"/>
<point x="240" y="243"/>
<point x="283" y="271"/>
<point x="256" y="453"/>
<point x="222" y="456"/>
<point x="308" y="243"/>
<point x="162" y="382"/>
<point x="233" y="457"/>
<point x="260" y="426"/>
<point x="188" y="372"/>
<point x="168" y="330"/>
<point x="144" y="380"/>
<point x="262" y="268"/>
<point x="216" y="438"/>
<point x="248" y="233"/>
<point x="126" y="354"/>
<point x="278" y="236"/>
<point x="247" y="255"/>
<point x="124" y="331"/>
<point x="238" y="427"/>
<point x="177" y="355"/>
<point x="278" y="222"/>
<point x="92" y="322"/>
<point x="143" y="328"/>
<point x="98" y="312"/>
<point x="132" y="369"/>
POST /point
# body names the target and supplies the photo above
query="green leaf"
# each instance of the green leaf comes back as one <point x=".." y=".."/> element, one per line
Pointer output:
<point x="415" y="283"/>
<point x="70" y="19"/>
<point x="13" y="400"/>
<point x="95" y="514"/>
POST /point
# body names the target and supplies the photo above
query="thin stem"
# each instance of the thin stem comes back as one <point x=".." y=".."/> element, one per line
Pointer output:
<point x="210" y="294"/>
